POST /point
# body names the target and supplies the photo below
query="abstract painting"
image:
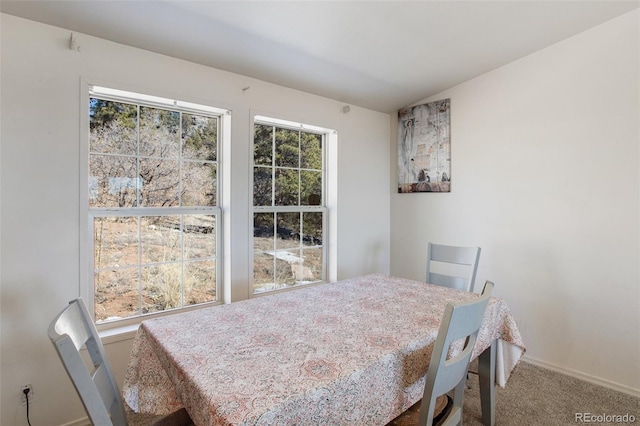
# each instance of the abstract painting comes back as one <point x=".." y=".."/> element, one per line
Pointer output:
<point x="424" y="148"/>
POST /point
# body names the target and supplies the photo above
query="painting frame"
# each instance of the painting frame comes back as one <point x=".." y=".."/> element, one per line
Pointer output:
<point x="424" y="147"/>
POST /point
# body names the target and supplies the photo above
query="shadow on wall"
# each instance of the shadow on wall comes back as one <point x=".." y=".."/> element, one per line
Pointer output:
<point x="516" y="266"/>
<point x="375" y="259"/>
<point x="28" y="306"/>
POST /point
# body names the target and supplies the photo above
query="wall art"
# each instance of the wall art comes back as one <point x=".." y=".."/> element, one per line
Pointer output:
<point x="424" y="148"/>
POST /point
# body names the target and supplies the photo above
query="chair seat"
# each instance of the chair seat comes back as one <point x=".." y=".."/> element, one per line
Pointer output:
<point x="177" y="418"/>
<point x="411" y="417"/>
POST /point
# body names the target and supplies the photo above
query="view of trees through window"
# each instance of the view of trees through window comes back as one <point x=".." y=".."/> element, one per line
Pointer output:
<point x="153" y="199"/>
<point x="289" y="212"/>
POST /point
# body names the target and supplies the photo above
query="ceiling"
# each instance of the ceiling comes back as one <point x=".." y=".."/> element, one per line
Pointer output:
<point x="381" y="55"/>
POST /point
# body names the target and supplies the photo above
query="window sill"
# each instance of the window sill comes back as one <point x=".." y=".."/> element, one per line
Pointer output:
<point x="112" y="333"/>
<point x="118" y="334"/>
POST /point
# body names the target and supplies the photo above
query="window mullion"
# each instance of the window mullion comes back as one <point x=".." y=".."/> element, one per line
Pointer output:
<point x="299" y="167"/>
<point x="138" y="204"/>
<point x="180" y="159"/>
<point x="138" y="178"/>
<point x="273" y="166"/>
<point x="182" y="259"/>
<point x="139" y="220"/>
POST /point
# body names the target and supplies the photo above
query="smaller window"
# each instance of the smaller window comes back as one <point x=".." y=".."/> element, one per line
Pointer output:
<point x="289" y="205"/>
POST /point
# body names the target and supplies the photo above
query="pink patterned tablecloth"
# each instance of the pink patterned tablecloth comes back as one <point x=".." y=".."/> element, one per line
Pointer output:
<point x="351" y="352"/>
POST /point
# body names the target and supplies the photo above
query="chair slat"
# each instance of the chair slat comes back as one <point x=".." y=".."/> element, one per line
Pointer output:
<point x="461" y="263"/>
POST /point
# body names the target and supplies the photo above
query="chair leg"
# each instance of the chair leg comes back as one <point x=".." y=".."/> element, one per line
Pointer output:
<point x="458" y="393"/>
<point x="487" y="380"/>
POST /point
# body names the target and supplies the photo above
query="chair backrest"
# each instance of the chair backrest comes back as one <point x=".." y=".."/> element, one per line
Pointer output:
<point x="463" y="265"/>
<point x="70" y="331"/>
<point x="460" y="321"/>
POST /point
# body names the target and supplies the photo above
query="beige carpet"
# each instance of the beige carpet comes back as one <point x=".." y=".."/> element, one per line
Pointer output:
<point x="535" y="396"/>
<point x="539" y="397"/>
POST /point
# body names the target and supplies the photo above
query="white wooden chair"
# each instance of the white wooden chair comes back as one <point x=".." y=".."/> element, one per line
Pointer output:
<point x="70" y="331"/>
<point x="454" y="267"/>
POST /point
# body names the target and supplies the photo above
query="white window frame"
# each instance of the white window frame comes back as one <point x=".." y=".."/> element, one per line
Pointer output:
<point x="87" y="289"/>
<point x="329" y="137"/>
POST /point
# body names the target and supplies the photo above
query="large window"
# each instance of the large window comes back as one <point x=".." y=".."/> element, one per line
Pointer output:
<point x="153" y="204"/>
<point x="289" y="213"/>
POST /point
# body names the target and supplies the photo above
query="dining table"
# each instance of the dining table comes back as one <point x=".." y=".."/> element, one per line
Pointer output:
<point x="351" y="352"/>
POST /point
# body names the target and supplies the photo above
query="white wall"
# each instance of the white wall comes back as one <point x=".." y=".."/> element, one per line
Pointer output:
<point x="545" y="178"/>
<point x="40" y="187"/>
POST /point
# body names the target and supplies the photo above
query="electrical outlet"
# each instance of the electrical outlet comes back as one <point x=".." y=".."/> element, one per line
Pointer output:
<point x="28" y="395"/>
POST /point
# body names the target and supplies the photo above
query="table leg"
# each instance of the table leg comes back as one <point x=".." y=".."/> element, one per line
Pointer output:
<point x="487" y="377"/>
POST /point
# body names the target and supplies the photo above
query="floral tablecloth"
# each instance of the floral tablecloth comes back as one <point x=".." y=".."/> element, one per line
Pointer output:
<point x="352" y="352"/>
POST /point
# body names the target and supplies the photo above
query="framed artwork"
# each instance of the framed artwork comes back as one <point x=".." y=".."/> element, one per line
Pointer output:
<point x="424" y="148"/>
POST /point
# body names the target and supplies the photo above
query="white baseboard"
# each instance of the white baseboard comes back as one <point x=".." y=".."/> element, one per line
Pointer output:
<point x="80" y="422"/>
<point x="585" y="377"/>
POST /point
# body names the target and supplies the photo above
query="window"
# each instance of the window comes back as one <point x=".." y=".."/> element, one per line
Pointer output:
<point x="289" y="205"/>
<point x="152" y="204"/>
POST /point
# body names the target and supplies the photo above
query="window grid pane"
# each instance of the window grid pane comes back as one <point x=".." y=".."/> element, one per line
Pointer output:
<point x="175" y="254"/>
